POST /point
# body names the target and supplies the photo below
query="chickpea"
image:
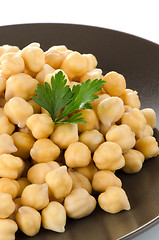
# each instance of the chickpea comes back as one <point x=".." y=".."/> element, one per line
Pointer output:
<point x="37" y="173"/>
<point x="131" y="98"/>
<point x="35" y="195"/>
<point x="80" y="181"/>
<point x="115" y="83"/>
<point x="23" y="183"/>
<point x="54" y="217"/>
<point x="34" y="58"/>
<point x="8" y="229"/>
<point x="91" y="61"/>
<point x="9" y="186"/>
<point x="59" y="182"/>
<point x="6" y="126"/>
<point x="60" y="48"/>
<point x="50" y="75"/>
<point x="8" y="48"/>
<point x="79" y="203"/>
<point x="6" y="144"/>
<point x="2" y="83"/>
<point x="28" y="220"/>
<point x="150" y="116"/>
<point x="18" y="110"/>
<point x="148" y="131"/>
<point x="20" y="85"/>
<point x="110" y="110"/>
<point x="92" y="139"/>
<point x="41" y="125"/>
<point x="133" y="161"/>
<point x="77" y="155"/>
<point x="122" y="135"/>
<point x="104" y="179"/>
<point x="44" y="150"/>
<point x="17" y="202"/>
<point x="148" y="146"/>
<point x="65" y="134"/>
<point x="113" y="200"/>
<point x="93" y="74"/>
<point x="23" y="143"/>
<point x="11" y="63"/>
<point x="87" y="171"/>
<point x="54" y="58"/>
<point x="104" y="128"/>
<point x="35" y="106"/>
<point x="109" y="156"/>
<point x="47" y="69"/>
<point x="92" y="121"/>
<point x="101" y="97"/>
<point x="127" y="108"/>
<point x="7" y="206"/>
<point x="135" y="120"/>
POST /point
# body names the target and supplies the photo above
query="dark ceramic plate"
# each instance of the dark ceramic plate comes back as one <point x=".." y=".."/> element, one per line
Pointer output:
<point x="138" y="60"/>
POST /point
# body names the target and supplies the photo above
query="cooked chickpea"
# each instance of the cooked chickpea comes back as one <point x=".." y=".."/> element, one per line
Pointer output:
<point x="11" y="63"/>
<point x="8" y="229"/>
<point x="91" y="61"/>
<point x="6" y="144"/>
<point x="88" y="171"/>
<point x="6" y="126"/>
<point x="17" y="202"/>
<point x="79" y="203"/>
<point x="9" y="186"/>
<point x="54" y="58"/>
<point x="150" y="116"/>
<point x="54" y="217"/>
<point x="35" y="195"/>
<point x="114" y="200"/>
<point x="133" y="161"/>
<point x="104" y="128"/>
<point x="2" y="83"/>
<point x="92" y="121"/>
<point x="127" y="108"/>
<point x="92" y="139"/>
<point x="93" y="74"/>
<point x="148" y="131"/>
<point x="47" y="69"/>
<point x="148" y="146"/>
<point x="101" y="97"/>
<point x="8" y="48"/>
<point x="18" y="110"/>
<point x="23" y="143"/>
<point x="23" y="182"/>
<point x="104" y="179"/>
<point x="28" y="220"/>
<point x="122" y="135"/>
<point x="65" y="134"/>
<point x="131" y="98"/>
<point x="77" y="155"/>
<point x="109" y="156"/>
<point x="59" y="182"/>
<point x="41" y="125"/>
<point x="20" y="85"/>
<point x="7" y="206"/>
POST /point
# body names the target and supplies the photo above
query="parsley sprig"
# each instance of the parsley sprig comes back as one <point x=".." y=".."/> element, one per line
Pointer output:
<point x="59" y="98"/>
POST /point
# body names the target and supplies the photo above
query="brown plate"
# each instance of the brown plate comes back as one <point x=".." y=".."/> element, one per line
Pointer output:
<point x="138" y="60"/>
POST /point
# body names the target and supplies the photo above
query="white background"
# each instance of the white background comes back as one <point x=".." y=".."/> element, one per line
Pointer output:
<point x="138" y="17"/>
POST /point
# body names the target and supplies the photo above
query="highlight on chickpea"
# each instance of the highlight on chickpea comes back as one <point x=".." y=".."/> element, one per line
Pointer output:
<point x="50" y="171"/>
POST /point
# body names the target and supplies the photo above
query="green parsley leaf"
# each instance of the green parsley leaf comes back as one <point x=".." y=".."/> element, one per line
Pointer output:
<point x="59" y="97"/>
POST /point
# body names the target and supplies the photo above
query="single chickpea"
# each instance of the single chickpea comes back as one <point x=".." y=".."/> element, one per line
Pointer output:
<point x="148" y="131"/>
<point x="17" y="202"/>
<point x="18" y="110"/>
<point x="92" y="139"/>
<point x="9" y="186"/>
<point x="148" y="146"/>
<point x="77" y="155"/>
<point x="133" y="161"/>
<point x="54" y="58"/>
<point x="135" y="120"/>
<point x="65" y="134"/>
<point x="23" y="183"/>
<point x="101" y="97"/>
<point x="28" y="220"/>
<point x="150" y="116"/>
<point x="87" y="171"/>
<point x="91" y="61"/>
<point x="8" y="48"/>
<point x="6" y="126"/>
<point x="104" y="179"/>
<point x="131" y="98"/>
<point x="59" y="182"/>
<point x="34" y="58"/>
<point x="35" y="106"/>
<point x="35" y="196"/>
<point x="109" y="156"/>
<point x="2" y="83"/>
<point x="79" y="203"/>
<point x="11" y="63"/>
<point x="41" y="125"/>
<point x="47" y="69"/>
<point x="80" y="181"/>
<point x="23" y="142"/>
<point x="7" y="206"/>
<point x="114" y="200"/>
<point x="8" y="229"/>
<point x="59" y="48"/>
<point x="20" y="85"/>
<point x="44" y="150"/>
<point x="122" y="135"/>
<point x="50" y="75"/>
<point x="54" y="217"/>
<point x="110" y="110"/>
<point x="93" y="74"/>
<point x="115" y="83"/>
<point x="92" y="121"/>
<point x="37" y="173"/>
<point x="6" y="144"/>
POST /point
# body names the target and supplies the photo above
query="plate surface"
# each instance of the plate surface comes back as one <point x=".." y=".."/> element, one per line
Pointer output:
<point x="138" y="60"/>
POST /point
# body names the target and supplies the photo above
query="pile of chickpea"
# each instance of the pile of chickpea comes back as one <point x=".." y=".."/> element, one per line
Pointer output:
<point x="48" y="171"/>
